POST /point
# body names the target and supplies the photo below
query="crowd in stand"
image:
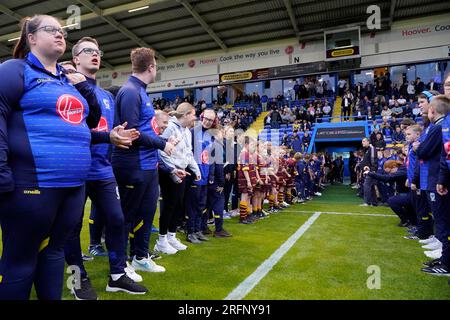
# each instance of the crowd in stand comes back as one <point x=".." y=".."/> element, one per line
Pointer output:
<point x="412" y="175"/>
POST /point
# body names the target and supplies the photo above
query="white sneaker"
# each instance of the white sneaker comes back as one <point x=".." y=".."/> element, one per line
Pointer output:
<point x="435" y="254"/>
<point x="300" y="200"/>
<point x="163" y="246"/>
<point x="131" y="273"/>
<point x="428" y="240"/>
<point x="364" y="205"/>
<point x="176" y="243"/>
<point x="147" y="265"/>
<point x="286" y="204"/>
<point x="318" y="194"/>
<point x="266" y="201"/>
<point x="433" y="245"/>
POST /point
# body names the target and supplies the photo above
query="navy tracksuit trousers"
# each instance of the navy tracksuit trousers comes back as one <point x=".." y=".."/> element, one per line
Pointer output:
<point x="36" y="223"/>
<point x="105" y="195"/>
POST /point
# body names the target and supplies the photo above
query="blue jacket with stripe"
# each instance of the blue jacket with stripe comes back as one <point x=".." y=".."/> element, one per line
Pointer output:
<point x="101" y="147"/>
<point x="429" y="156"/>
<point x="444" y="171"/>
<point x="134" y="106"/>
<point x="44" y="127"/>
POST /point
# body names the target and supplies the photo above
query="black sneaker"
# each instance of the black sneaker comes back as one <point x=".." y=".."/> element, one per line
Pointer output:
<point x="192" y="238"/>
<point x="437" y="270"/>
<point x="432" y="263"/>
<point x="85" y="291"/>
<point x="201" y="236"/>
<point x="86" y="257"/>
<point x="125" y="284"/>
<point x="154" y="256"/>
<point x="245" y="221"/>
<point x="222" y="234"/>
<point x="206" y="231"/>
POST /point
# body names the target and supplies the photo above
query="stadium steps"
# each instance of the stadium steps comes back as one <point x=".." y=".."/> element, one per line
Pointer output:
<point x="337" y="109"/>
<point x="257" y="126"/>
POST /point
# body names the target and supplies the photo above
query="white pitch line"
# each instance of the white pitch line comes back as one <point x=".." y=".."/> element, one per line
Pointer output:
<point x="248" y="284"/>
<point x="345" y="213"/>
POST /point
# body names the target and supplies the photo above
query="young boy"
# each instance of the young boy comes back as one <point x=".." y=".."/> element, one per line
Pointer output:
<point x="246" y="180"/>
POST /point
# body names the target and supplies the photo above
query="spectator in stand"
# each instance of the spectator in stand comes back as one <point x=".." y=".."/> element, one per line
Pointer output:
<point x="297" y="90"/>
<point x="395" y="90"/>
<point x="419" y="86"/>
<point x="375" y="126"/>
<point x="398" y="136"/>
<point x="326" y="110"/>
<point x="297" y="145"/>
<point x="379" y="142"/>
<point x="359" y="90"/>
<point x="319" y="90"/>
<point x="275" y="120"/>
<point x="432" y="85"/>
<point x="264" y="100"/>
<point x="403" y="90"/>
<point x="373" y="135"/>
<point x="303" y="91"/>
<point x="397" y="110"/>
<point x="386" y="112"/>
<point x="341" y="87"/>
<point x="392" y="101"/>
<point x="386" y="130"/>
<point x="346" y="105"/>
<point x="416" y="111"/>
<point x="411" y="90"/>
<point x="306" y="140"/>
<point x="401" y="100"/>
<point x="280" y="99"/>
<point x="407" y="113"/>
<point x="394" y="122"/>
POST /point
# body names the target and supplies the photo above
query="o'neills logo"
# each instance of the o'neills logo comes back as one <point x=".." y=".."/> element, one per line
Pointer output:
<point x="102" y="125"/>
<point x="70" y="109"/>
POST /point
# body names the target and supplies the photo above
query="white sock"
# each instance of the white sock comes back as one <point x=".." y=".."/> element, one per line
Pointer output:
<point x="172" y="235"/>
<point x="116" y="276"/>
<point x="162" y="237"/>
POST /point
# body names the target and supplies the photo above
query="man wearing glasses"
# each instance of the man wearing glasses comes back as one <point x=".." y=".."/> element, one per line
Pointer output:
<point x="101" y="186"/>
<point x="197" y="190"/>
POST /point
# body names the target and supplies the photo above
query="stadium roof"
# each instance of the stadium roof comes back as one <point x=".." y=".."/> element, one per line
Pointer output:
<point x="178" y="27"/>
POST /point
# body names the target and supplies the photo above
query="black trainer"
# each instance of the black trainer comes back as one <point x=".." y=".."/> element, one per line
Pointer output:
<point x="154" y="256"/>
<point x="192" y="238"/>
<point x="438" y="270"/>
<point x="201" y="236"/>
<point x="85" y="291"/>
<point x="125" y="284"/>
<point x="432" y="263"/>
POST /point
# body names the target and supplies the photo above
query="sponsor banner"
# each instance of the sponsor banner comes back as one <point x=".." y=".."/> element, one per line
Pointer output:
<point x="338" y="53"/>
<point x="420" y="31"/>
<point x="297" y="69"/>
<point x="357" y="132"/>
<point x="227" y="58"/>
<point x="259" y="74"/>
<point x="205" y="81"/>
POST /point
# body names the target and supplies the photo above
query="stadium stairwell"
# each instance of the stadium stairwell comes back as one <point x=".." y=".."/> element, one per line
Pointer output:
<point x="257" y="126"/>
<point x="337" y="110"/>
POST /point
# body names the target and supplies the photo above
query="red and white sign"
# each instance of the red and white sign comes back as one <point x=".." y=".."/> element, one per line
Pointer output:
<point x="102" y="125"/>
<point x="204" y="81"/>
<point x="70" y="109"/>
